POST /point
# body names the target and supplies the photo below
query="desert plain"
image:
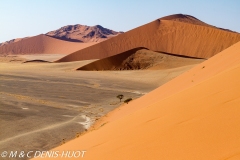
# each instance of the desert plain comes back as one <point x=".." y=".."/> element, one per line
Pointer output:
<point x="41" y="110"/>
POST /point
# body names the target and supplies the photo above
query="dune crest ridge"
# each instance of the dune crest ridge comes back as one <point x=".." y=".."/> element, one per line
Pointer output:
<point x="186" y="118"/>
<point x="42" y="44"/>
<point x="181" y="35"/>
<point x="139" y="59"/>
<point x="53" y="41"/>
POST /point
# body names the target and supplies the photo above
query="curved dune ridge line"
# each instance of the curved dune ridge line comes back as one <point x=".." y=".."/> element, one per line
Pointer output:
<point x="111" y="62"/>
<point x="137" y="59"/>
<point x="194" y="116"/>
<point x="42" y="44"/>
<point x="176" y="34"/>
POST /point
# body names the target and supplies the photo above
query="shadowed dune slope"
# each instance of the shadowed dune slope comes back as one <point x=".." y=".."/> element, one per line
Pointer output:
<point x="176" y="34"/>
<point x="42" y="44"/>
<point x="194" y="116"/>
<point x="139" y="58"/>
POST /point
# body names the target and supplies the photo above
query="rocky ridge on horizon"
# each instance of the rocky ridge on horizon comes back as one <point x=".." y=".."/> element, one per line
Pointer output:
<point x="76" y="33"/>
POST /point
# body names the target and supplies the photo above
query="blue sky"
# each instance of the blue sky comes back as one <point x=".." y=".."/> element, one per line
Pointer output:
<point x="21" y="18"/>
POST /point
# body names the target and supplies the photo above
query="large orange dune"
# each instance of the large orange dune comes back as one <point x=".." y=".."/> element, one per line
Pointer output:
<point x="42" y="44"/>
<point x="176" y="34"/>
<point x="194" y="116"/>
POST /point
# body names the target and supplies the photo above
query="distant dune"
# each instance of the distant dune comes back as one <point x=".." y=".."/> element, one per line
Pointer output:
<point x="194" y="116"/>
<point x="12" y="41"/>
<point x="83" y="33"/>
<point x="54" y="41"/>
<point x="42" y="44"/>
<point x="176" y="34"/>
<point x="138" y="59"/>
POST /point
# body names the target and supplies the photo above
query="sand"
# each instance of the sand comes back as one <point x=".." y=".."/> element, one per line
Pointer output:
<point x="193" y="113"/>
<point x="42" y="44"/>
<point x="58" y="41"/>
<point x="47" y="104"/>
<point x="12" y="41"/>
<point x="179" y="34"/>
<point x="46" y="57"/>
<point x="194" y="116"/>
<point x="139" y="59"/>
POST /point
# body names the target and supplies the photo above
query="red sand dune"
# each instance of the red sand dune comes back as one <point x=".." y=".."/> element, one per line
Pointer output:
<point x="175" y="34"/>
<point x="87" y="35"/>
<point x="12" y="41"/>
<point x="194" y="116"/>
<point x="139" y="58"/>
<point x="42" y="44"/>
